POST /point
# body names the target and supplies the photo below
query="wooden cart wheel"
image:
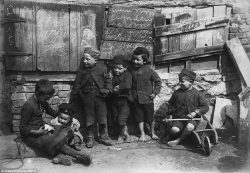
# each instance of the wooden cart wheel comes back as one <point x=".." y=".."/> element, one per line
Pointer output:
<point x="207" y="145"/>
<point x="215" y="138"/>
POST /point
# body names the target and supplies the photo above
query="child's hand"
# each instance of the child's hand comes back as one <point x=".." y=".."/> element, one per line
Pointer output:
<point x="116" y="88"/>
<point x="191" y="115"/>
<point x="104" y="92"/>
<point x="42" y="131"/>
<point x="152" y="96"/>
<point x="165" y="120"/>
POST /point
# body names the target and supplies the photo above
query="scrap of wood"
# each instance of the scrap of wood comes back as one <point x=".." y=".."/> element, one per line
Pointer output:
<point x="194" y="25"/>
<point x="188" y="53"/>
<point x="240" y="59"/>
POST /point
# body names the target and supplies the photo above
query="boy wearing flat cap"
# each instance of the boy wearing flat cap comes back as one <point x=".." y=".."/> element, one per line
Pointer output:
<point x="93" y="84"/>
<point x="188" y="103"/>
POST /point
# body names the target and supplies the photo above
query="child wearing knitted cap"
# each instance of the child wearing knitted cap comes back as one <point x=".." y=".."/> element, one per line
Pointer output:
<point x="188" y="103"/>
<point x="121" y="81"/>
<point x="146" y="84"/>
<point x="93" y="84"/>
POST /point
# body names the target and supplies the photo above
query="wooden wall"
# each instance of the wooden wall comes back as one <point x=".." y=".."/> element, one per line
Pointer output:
<point x="49" y="37"/>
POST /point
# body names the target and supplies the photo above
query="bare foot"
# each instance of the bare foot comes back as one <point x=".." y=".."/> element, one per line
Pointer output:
<point x="127" y="139"/>
<point x="142" y="138"/>
<point x="120" y="140"/>
<point x="174" y="143"/>
<point x="154" y="137"/>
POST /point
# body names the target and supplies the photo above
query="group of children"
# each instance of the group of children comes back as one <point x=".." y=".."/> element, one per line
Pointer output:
<point x="127" y="88"/>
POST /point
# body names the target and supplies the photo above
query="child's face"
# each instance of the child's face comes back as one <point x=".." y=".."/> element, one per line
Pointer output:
<point x="119" y="69"/>
<point x="88" y="60"/>
<point x="137" y="61"/>
<point x="185" y="83"/>
<point x="63" y="118"/>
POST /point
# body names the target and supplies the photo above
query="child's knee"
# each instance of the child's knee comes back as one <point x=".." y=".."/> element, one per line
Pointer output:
<point x="190" y="127"/>
<point x="174" y="130"/>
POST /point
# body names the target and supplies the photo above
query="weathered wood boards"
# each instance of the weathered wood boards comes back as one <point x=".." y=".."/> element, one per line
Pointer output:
<point x="127" y="35"/>
<point x="127" y="28"/>
<point x="86" y="23"/>
<point x="188" y="53"/>
<point x="127" y="17"/>
<point x="52" y="37"/>
<point x="240" y="59"/>
<point x="111" y="48"/>
<point x="194" y="25"/>
<point x="19" y="26"/>
<point x="192" y="33"/>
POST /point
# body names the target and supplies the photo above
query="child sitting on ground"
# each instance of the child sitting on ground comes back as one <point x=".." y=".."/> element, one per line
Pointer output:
<point x="65" y="117"/>
<point x="35" y="134"/>
<point x="146" y="84"/>
<point x="121" y="81"/>
<point x="188" y="103"/>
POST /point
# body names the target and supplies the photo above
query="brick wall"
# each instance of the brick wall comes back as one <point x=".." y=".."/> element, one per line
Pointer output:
<point x="20" y="92"/>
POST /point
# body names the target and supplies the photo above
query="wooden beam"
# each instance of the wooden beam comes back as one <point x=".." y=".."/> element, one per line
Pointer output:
<point x="37" y="77"/>
<point x="188" y="53"/>
<point x="194" y="25"/>
<point x="240" y="59"/>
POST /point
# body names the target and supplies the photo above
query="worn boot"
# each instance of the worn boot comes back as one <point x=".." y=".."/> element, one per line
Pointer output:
<point x="104" y="138"/>
<point x="62" y="159"/>
<point x="84" y="159"/>
<point x="90" y="142"/>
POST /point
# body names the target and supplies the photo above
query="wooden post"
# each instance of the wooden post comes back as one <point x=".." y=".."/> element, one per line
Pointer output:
<point x="3" y="127"/>
<point x="240" y="59"/>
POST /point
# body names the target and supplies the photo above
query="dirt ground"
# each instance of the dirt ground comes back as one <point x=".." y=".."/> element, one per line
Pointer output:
<point x="227" y="156"/>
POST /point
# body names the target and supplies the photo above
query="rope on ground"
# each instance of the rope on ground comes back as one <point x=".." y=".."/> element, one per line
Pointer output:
<point x="21" y="149"/>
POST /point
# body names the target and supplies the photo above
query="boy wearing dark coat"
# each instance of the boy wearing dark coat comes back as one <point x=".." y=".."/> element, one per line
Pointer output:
<point x="34" y="130"/>
<point x="188" y="103"/>
<point x="93" y="84"/>
<point x="146" y="84"/>
<point x="122" y="82"/>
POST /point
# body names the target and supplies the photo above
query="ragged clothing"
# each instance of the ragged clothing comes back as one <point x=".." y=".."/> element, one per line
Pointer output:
<point x="31" y="119"/>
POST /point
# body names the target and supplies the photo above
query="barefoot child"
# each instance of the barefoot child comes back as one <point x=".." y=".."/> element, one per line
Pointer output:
<point x="189" y="103"/>
<point x="146" y="84"/>
<point x="122" y="81"/>
<point x="34" y="133"/>
<point x="65" y="117"/>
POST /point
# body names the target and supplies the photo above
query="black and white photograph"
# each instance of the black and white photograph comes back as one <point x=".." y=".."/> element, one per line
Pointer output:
<point x="124" y="86"/>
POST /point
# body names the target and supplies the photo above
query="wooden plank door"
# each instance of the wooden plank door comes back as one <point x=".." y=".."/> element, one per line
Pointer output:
<point x="52" y="37"/>
<point x="19" y="26"/>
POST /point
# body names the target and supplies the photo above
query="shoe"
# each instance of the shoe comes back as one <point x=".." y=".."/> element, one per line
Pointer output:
<point x="62" y="159"/>
<point x="84" y="159"/>
<point x="106" y="141"/>
<point x="90" y="142"/>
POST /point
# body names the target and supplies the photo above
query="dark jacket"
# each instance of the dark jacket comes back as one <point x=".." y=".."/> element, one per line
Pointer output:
<point x="125" y="82"/>
<point x="145" y="81"/>
<point x="99" y="75"/>
<point x="31" y="115"/>
<point x="188" y="101"/>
